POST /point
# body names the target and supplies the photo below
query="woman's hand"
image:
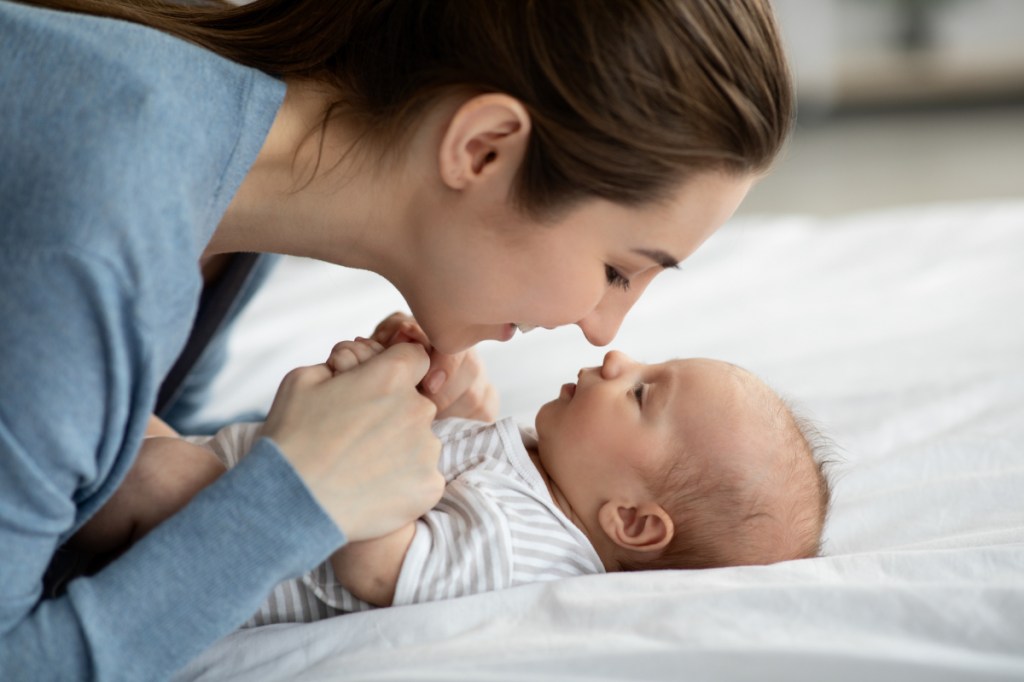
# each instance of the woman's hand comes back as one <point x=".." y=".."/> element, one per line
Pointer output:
<point x="457" y="384"/>
<point x="361" y="439"/>
<point x="348" y="354"/>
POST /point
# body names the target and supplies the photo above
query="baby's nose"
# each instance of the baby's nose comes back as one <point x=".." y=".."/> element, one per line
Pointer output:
<point x="614" y="363"/>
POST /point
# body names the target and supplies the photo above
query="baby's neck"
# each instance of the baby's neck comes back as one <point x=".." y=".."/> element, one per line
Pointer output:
<point x="556" y="493"/>
<point x="596" y="538"/>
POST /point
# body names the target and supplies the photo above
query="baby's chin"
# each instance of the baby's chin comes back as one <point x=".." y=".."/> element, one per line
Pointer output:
<point x="540" y="420"/>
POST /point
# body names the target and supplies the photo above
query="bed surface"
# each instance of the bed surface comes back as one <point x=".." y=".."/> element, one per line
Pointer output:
<point x="900" y="332"/>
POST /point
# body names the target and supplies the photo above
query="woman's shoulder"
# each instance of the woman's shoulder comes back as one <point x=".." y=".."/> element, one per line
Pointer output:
<point x="114" y="126"/>
<point x="81" y="64"/>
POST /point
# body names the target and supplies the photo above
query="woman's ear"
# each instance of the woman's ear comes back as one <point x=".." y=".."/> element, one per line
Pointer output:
<point x="645" y="527"/>
<point x="485" y="139"/>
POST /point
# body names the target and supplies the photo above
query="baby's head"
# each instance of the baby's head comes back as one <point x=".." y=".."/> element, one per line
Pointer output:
<point x="686" y="464"/>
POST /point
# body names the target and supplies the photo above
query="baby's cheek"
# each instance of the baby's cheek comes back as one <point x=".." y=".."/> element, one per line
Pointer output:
<point x="656" y="460"/>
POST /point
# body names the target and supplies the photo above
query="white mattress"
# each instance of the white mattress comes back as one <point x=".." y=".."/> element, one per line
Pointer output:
<point x="902" y="332"/>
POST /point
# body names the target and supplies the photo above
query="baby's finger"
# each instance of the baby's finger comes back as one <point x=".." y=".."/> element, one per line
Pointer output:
<point x="409" y="332"/>
<point x="387" y="327"/>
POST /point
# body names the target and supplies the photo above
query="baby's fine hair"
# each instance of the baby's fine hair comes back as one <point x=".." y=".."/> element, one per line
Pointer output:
<point x="627" y="98"/>
<point x="720" y="521"/>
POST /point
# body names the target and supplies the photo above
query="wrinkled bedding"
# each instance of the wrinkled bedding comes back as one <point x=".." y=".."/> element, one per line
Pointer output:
<point x="900" y="332"/>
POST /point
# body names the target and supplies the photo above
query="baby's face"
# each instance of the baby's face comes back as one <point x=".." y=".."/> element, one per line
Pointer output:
<point x="621" y="425"/>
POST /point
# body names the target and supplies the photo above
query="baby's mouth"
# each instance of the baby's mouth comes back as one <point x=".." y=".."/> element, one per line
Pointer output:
<point x="568" y="390"/>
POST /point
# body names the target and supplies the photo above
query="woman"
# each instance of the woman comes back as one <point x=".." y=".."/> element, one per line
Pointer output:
<point x="504" y="164"/>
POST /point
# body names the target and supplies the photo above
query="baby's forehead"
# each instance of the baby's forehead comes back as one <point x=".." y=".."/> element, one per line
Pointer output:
<point x="711" y="372"/>
<point x="704" y="364"/>
<point x="722" y="406"/>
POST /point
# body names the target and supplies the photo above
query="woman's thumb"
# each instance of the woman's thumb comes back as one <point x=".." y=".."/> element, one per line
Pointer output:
<point x="406" y="362"/>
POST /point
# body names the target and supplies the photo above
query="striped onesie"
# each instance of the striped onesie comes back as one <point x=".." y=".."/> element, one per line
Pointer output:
<point x="495" y="527"/>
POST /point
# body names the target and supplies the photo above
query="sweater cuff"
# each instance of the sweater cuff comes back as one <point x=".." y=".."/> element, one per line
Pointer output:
<point x="280" y="501"/>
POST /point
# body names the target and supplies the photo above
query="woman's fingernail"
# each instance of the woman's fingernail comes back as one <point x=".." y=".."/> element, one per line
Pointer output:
<point x="436" y="381"/>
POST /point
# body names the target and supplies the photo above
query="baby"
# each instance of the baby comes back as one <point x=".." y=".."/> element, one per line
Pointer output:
<point x="686" y="464"/>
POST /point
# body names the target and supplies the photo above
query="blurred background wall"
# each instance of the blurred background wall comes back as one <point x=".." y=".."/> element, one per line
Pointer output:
<point x="900" y="102"/>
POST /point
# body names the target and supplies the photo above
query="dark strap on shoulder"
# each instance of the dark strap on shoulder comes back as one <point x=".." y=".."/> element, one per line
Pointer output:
<point x="214" y="304"/>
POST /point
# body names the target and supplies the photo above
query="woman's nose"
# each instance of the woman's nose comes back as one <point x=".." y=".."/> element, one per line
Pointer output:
<point x="602" y="323"/>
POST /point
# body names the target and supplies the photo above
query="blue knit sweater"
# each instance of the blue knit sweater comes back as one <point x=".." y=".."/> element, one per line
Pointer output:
<point x="120" y="149"/>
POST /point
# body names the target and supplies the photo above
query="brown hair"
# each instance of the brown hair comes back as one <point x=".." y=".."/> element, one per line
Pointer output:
<point x="627" y="99"/>
<point x="721" y="521"/>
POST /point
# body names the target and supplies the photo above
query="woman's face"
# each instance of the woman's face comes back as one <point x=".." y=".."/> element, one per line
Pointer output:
<point x="483" y="271"/>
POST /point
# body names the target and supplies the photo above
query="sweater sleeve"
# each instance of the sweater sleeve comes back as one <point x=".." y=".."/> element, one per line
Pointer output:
<point x="193" y="579"/>
<point x="76" y="396"/>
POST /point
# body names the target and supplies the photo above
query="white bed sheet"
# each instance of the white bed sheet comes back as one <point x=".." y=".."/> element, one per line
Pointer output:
<point x="902" y="332"/>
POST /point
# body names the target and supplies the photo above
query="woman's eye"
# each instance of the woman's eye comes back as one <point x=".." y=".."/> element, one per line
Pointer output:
<point x="638" y="393"/>
<point x="615" y="278"/>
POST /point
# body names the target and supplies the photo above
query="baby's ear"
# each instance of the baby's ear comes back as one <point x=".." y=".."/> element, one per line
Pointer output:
<point x="644" y="527"/>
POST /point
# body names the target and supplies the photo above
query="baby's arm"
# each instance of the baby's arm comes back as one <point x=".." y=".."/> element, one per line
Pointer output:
<point x="167" y="474"/>
<point x="370" y="569"/>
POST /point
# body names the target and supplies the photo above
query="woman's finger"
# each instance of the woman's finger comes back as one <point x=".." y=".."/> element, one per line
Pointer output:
<point x="347" y="354"/>
<point x="403" y="365"/>
<point x="466" y="391"/>
<point x="449" y="377"/>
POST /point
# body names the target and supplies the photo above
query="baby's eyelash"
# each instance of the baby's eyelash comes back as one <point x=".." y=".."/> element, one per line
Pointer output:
<point x="638" y="393"/>
<point x="615" y="278"/>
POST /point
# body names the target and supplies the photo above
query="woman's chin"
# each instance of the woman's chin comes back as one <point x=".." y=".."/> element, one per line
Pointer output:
<point x="452" y="341"/>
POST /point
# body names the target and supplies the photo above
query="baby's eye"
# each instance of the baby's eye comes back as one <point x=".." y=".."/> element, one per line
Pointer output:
<point x="638" y="393"/>
<point x="615" y="278"/>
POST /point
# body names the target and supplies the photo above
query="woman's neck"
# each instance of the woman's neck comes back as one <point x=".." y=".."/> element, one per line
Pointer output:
<point x="305" y="196"/>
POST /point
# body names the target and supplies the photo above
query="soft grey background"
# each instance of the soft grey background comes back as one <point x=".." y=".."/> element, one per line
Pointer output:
<point x="900" y="102"/>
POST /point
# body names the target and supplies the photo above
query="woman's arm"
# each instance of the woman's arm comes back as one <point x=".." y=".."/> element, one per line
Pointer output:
<point x="170" y="471"/>
<point x="366" y="464"/>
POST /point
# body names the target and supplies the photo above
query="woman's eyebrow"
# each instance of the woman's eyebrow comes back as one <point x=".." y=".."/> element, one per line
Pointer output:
<point x="660" y="257"/>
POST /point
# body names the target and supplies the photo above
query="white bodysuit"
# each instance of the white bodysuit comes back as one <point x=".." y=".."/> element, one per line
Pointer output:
<point x="495" y="527"/>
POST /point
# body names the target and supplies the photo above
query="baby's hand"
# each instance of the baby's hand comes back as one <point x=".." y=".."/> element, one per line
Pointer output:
<point x="348" y="354"/>
<point x="398" y="328"/>
<point x="457" y="384"/>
